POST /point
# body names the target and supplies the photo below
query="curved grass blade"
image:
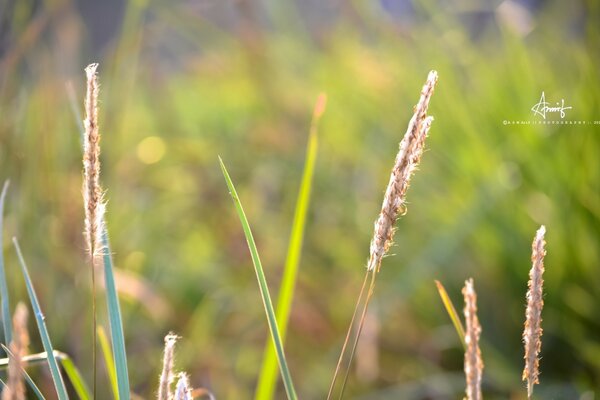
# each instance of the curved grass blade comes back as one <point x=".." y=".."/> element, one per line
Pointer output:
<point x="264" y="289"/>
<point x="109" y="361"/>
<point x="6" y="319"/>
<point x="59" y="384"/>
<point x="452" y="312"/>
<point x="116" y="323"/>
<point x="28" y="379"/>
<point x="268" y="376"/>
<point x="76" y="379"/>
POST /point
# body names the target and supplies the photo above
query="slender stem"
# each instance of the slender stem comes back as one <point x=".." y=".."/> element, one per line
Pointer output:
<point x="361" y="324"/>
<point x="347" y="340"/>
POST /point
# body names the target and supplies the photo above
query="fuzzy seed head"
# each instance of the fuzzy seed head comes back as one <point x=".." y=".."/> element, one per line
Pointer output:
<point x="532" y="334"/>
<point x="92" y="192"/>
<point x="15" y="388"/>
<point x="473" y="361"/>
<point x="167" y="376"/>
<point x="407" y="160"/>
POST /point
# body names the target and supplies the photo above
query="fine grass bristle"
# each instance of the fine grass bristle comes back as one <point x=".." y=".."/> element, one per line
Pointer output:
<point x="532" y="334"/>
<point x="15" y="389"/>
<point x="167" y="376"/>
<point x="473" y="361"/>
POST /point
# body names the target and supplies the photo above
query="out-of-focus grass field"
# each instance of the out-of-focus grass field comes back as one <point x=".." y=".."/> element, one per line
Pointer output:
<point x="184" y="82"/>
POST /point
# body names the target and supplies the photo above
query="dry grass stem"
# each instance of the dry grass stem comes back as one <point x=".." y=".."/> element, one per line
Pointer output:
<point x="182" y="390"/>
<point x="92" y="193"/>
<point x="166" y="377"/>
<point x="407" y="159"/>
<point x="15" y="388"/>
<point x="532" y="334"/>
<point x="473" y="361"/>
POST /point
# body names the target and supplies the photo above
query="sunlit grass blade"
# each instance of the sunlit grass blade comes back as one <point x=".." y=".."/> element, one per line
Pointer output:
<point x="59" y="384"/>
<point x="268" y="376"/>
<point x="30" y="382"/>
<point x="108" y="361"/>
<point x="264" y="289"/>
<point x="452" y="312"/>
<point x="6" y="319"/>
<point x="76" y="379"/>
<point x="116" y="323"/>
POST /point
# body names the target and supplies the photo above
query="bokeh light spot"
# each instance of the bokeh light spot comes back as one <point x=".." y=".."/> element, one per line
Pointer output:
<point x="151" y="150"/>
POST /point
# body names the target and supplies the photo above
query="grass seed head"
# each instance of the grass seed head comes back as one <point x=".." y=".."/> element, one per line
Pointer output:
<point x="532" y="334"/>
<point x="407" y="160"/>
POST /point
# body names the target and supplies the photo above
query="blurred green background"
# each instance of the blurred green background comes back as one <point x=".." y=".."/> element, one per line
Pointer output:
<point x="183" y="82"/>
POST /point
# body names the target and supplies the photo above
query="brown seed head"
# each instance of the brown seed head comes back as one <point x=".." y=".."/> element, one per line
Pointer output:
<point x="407" y="159"/>
<point x="166" y="377"/>
<point x="532" y="334"/>
<point x="473" y="361"/>
<point x="92" y="192"/>
<point x="15" y="388"/>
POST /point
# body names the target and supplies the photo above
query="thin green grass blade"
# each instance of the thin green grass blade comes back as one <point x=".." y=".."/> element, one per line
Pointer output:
<point x="28" y="379"/>
<point x="6" y="319"/>
<point x="75" y="109"/>
<point x="267" y="380"/>
<point x="108" y="361"/>
<point x="452" y="312"/>
<point x="59" y="384"/>
<point x="76" y="379"/>
<point x="264" y="289"/>
<point x="116" y="322"/>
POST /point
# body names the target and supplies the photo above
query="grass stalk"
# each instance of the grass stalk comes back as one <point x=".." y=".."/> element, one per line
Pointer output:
<point x="407" y="160"/>
<point x="92" y="193"/>
<point x="268" y="376"/>
<point x="264" y="289"/>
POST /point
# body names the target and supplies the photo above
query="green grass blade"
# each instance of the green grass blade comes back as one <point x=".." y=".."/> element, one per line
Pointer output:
<point x="28" y="379"/>
<point x="268" y="376"/>
<point x="6" y="318"/>
<point x="76" y="379"/>
<point x="452" y="312"/>
<point x="264" y="289"/>
<point x="116" y="323"/>
<point x="59" y="385"/>
<point x="108" y="361"/>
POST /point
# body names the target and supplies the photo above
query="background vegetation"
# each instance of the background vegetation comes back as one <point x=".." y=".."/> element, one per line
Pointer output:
<point x="185" y="82"/>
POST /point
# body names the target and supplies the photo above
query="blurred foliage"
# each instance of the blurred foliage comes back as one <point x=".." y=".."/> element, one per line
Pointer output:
<point x="184" y="82"/>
